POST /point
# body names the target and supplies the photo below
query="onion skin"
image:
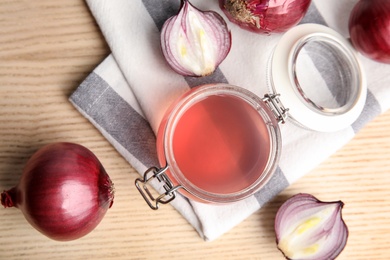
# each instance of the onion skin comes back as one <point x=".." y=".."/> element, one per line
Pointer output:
<point x="265" y="16"/>
<point x="309" y="229"/>
<point x="369" y="29"/>
<point x="64" y="191"/>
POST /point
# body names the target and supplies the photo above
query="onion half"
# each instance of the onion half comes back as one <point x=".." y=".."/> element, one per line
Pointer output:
<point x="307" y="228"/>
<point x="195" y="42"/>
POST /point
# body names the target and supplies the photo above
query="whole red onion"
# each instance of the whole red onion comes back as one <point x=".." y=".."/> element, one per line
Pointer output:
<point x="64" y="191"/>
<point x="265" y="16"/>
<point x="369" y="28"/>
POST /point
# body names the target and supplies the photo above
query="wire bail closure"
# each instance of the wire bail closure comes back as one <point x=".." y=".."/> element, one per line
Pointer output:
<point x="277" y="108"/>
<point x="159" y="174"/>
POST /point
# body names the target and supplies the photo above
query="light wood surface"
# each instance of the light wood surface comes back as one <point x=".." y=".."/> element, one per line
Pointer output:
<point x="46" y="49"/>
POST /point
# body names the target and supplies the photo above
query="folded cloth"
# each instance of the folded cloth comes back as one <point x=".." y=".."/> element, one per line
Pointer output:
<point x="126" y="96"/>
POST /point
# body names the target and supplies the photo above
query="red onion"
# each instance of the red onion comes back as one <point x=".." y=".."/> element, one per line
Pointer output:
<point x="64" y="191"/>
<point x="307" y="228"/>
<point x="265" y="16"/>
<point x="369" y="28"/>
<point x="195" y="42"/>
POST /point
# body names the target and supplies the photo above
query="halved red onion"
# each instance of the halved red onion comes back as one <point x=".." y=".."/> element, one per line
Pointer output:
<point x="195" y="42"/>
<point x="307" y="228"/>
<point x="265" y="16"/>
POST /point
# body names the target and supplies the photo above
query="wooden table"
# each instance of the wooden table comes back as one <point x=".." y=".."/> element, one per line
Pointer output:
<point x="46" y="49"/>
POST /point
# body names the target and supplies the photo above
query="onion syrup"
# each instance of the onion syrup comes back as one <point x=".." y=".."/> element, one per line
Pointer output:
<point x="221" y="144"/>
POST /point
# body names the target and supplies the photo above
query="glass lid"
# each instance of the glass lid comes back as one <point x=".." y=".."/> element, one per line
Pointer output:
<point x="319" y="78"/>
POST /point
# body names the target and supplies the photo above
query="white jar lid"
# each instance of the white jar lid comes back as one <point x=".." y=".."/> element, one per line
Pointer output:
<point x="334" y="66"/>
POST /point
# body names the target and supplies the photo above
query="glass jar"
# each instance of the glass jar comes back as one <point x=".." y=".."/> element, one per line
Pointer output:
<point x="220" y="143"/>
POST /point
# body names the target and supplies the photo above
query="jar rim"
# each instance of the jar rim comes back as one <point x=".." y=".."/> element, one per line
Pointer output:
<point x="348" y="61"/>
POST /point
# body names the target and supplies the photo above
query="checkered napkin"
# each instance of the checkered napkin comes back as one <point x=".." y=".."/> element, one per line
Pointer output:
<point x="126" y="96"/>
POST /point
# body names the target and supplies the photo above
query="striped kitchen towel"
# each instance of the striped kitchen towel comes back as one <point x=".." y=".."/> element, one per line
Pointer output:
<point x="126" y="96"/>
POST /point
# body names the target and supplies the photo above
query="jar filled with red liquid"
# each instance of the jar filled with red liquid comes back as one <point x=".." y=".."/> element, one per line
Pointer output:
<point x="220" y="143"/>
